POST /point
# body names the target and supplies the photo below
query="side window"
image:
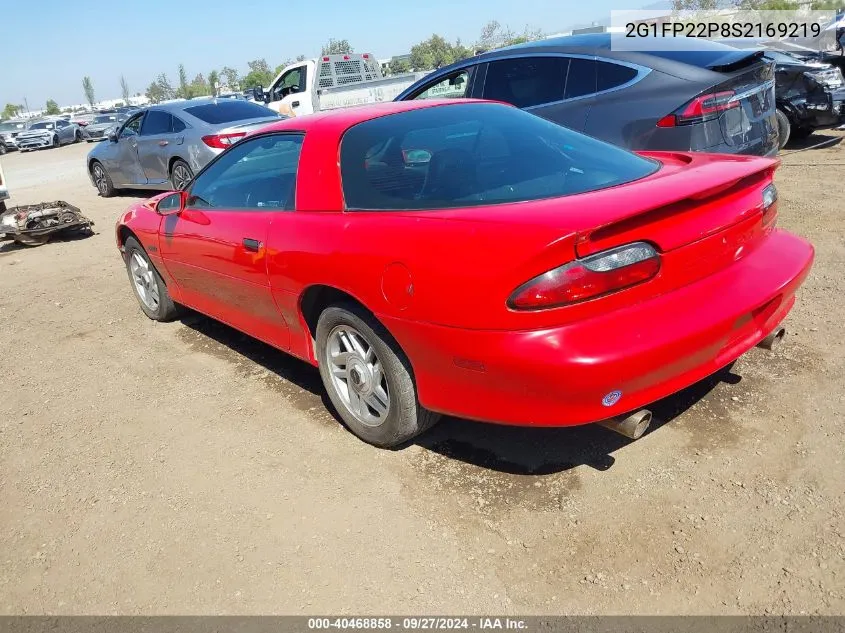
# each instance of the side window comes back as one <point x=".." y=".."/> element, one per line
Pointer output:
<point x="454" y="86"/>
<point x="256" y="174"/>
<point x="177" y="125"/>
<point x="156" y="122"/>
<point x="581" y="79"/>
<point x="526" y="81"/>
<point x="609" y="75"/>
<point x="292" y="81"/>
<point x="133" y="127"/>
<point x="60" y="124"/>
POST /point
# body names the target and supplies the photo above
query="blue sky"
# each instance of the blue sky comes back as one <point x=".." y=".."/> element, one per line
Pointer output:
<point x="141" y="39"/>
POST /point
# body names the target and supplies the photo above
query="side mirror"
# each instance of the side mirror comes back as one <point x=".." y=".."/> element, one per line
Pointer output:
<point x="416" y="156"/>
<point x="113" y="135"/>
<point x="171" y="204"/>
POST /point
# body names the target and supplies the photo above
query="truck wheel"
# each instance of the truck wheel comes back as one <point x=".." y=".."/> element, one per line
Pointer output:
<point x="368" y="378"/>
<point x="102" y="180"/>
<point x="147" y="284"/>
<point x="784" y="128"/>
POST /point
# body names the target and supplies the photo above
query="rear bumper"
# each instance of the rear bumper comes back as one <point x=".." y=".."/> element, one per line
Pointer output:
<point x="559" y="376"/>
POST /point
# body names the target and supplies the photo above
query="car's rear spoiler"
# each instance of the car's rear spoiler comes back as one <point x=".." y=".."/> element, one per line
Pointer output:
<point x="734" y="60"/>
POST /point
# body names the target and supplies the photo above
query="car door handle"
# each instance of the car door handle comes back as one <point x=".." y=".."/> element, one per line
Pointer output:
<point x="162" y="143"/>
<point x="251" y="244"/>
<point x="295" y="104"/>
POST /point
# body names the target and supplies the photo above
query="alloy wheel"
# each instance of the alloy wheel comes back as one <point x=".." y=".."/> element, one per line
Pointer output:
<point x="357" y="376"/>
<point x="100" y="179"/>
<point x="144" y="280"/>
<point x="181" y="177"/>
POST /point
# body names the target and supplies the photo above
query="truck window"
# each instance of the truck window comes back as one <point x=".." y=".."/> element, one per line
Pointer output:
<point x="292" y="81"/>
<point x="452" y="87"/>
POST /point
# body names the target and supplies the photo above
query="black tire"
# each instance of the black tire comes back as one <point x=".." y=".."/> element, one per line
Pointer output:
<point x="103" y="183"/>
<point x="784" y="128"/>
<point x="2" y="149"/>
<point x="405" y="417"/>
<point x="77" y="138"/>
<point x="166" y="310"/>
<point x="2" y="206"/>
<point x="56" y="142"/>
<point x="176" y="174"/>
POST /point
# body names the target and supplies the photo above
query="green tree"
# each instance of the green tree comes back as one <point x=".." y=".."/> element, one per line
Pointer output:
<point x="199" y="87"/>
<point x="52" y="108"/>
<point x="124" y="89"/>
<point x="88" y="87"/>
<point x="11" y="110"/>
<point x="160" y="90"/>
<point x="695" y="5"/>
<point x="230" y="77"/>
<point x="336" y="47"/>
<point x="213" y="81"/>
<point x="259" y="74"/>
<point x="436" y="52"/>
<point x="398" y="65"/>
<point x="119" y="104"/>
<point x="184" y="90"/>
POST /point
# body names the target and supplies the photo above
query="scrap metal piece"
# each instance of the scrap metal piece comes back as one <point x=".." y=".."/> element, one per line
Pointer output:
<point x="36" y="224"/>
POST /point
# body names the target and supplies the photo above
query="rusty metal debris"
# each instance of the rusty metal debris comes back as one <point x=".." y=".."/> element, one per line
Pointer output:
<point x="36" y="224"/>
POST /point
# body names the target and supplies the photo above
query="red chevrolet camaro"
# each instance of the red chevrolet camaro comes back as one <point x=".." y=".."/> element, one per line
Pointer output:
<point x="471" y="259"/>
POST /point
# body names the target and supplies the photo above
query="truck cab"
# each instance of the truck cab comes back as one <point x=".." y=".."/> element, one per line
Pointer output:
<point x="332" y="81"/>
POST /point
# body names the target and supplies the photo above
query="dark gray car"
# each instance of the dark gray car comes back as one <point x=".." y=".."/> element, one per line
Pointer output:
<point x="711" y="98"/>
<point x="163" y="146"/>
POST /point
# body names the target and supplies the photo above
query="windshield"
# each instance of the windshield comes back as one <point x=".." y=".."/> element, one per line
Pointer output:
<point x="11" y="127"/>
<point x="470" y="155"/>
<point x="43" y="125"/>
<point x="229" y="110"/>
<point x="107" y="118"/>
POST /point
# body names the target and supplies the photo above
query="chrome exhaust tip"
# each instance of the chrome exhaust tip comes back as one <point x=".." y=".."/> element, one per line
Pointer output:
<point x="632" y="426"/>
<point x="774" y="339"/>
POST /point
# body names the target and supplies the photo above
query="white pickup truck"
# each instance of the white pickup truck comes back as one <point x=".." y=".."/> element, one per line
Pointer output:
<point x="332" y="81"/>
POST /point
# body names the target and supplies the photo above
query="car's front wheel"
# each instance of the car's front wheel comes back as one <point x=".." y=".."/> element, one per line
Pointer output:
<point x="147" y="284"/>
<point x="368" y="378"/>
<point x="56" y="142"/>
<point x="77" y="138"/>
<point x="784" y="128"/>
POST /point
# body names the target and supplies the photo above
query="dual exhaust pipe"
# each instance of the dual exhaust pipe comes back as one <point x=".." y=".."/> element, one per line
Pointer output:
<point x="633" y="426"/>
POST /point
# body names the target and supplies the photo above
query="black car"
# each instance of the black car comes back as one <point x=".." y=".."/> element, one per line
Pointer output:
<point x="712" y="98"/>
<point x="809" y="93"/>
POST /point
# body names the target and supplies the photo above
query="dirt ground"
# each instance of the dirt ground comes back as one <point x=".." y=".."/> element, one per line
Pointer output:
<point x="183" y="468"/>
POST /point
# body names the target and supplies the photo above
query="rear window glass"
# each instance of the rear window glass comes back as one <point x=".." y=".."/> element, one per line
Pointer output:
<point x="474" y="154"/>
<point x="229" y="110"/>
<point x="610" y="75"/>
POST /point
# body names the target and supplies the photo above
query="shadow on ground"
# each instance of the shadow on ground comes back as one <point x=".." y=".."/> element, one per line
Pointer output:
<point x="12" y="246"/>
<point x="813" y="141"/>
<point x="506" y="449"/>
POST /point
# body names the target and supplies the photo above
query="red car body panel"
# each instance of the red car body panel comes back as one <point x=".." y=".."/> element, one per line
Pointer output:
<point x="439" y="280"/>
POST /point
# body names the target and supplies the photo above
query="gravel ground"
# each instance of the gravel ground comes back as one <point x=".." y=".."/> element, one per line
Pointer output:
<point x="183" y="468"/>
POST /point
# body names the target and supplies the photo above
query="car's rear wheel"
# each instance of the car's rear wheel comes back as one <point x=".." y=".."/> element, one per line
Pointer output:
<point x="180" y="175"/>
<point x="368" y="378"/>
<point x="147" y="284"/>
<point x="102" y="181"/>
<point x="77" y="138"/>
<point x="784" y="128"/>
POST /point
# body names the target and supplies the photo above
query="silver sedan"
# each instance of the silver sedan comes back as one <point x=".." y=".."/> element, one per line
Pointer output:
<point x="163" y="146"/>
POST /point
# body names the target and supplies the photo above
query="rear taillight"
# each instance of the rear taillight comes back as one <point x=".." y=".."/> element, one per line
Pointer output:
<point x="770" y="206"/>
<point x="702" y="108"/>
<point x="222" y="141"/>
<point x="587" y="278"/>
